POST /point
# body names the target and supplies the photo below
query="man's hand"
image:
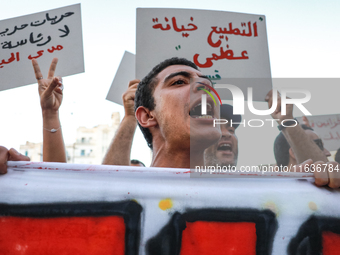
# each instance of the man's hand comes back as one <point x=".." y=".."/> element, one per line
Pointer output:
<point x="129" y="98"/>
<point x="326" y="174"/>
<point x="50" y="89"/>
<point x="303" y="166"/>
<point x="9" y="155"/>
<point x="277" y="114"/>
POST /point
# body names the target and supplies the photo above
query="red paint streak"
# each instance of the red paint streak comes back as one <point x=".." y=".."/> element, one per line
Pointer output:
<point x="206" y="238"/>
<point x="330" y="243"/>
<point x="67" y="236"/>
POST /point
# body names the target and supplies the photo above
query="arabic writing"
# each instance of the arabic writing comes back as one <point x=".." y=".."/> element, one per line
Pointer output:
<point x="248" y="30"/>
<point x="37" y="38"/>
<point x="54" y="21"/>
<point x="214" y="77"/>
<point x="11" y="59"/>
<point x="174" y="25"/>
<point x="328" y="126"/>
<point x="16" y="56"/>
<point x="231" y="31"/>
<point x="215" y="38"/>
<point x="228" y="54"/>
<point x="335" y="136"/>
<point x="34" y="39"/>
<point x="330" y="123"/>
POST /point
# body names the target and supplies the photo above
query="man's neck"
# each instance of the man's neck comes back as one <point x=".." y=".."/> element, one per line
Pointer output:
<point x="164" y="156"/>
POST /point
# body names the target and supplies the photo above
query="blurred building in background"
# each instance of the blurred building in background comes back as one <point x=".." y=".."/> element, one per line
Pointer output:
<point x="90" y="144"/>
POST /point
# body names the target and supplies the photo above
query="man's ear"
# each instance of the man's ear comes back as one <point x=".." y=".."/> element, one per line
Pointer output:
<point x="291" y="153"/>
<point x="145" y="117"/>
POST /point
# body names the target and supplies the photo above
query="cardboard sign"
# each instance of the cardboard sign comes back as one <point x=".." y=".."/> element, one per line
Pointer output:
<point x="43" y="36"/>
<point x="124" y="74"/>
<point x="222" y="44"/>
<point x="49" y="208"/>
<point x="328" y="129"/>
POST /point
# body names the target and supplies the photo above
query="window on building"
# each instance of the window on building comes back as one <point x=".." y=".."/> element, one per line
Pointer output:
<point x="82" y="153"/>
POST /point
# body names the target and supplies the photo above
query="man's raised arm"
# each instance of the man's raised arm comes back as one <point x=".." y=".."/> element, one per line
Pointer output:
<point x="51" y="95"/>
<point x="303" y="147"/>
<point x="120" y="148"/>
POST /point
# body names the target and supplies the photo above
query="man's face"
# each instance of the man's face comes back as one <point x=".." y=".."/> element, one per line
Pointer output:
<point x="177" y="93"/>
<point x="225" y="151"/>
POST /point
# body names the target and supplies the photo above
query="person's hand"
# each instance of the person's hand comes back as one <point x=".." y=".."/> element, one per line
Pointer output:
<point x="277" y="114"/>
<point x="129" y="98"/>
<point x="50" y="89"/>
<point x="303" y="167"/>
<point x="326" y="174"/>
<point x="9" y="155"/>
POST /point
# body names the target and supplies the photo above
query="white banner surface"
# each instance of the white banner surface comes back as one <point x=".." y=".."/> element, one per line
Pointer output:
<point x="46" y="208"/>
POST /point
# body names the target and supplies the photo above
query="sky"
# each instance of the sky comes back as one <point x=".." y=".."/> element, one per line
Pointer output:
<point x="303" y="41"/>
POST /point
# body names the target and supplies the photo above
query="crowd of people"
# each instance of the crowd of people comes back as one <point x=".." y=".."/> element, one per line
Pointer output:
<point x="162" y="104"/>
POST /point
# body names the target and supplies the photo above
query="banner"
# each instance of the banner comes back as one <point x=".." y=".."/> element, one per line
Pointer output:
<point x="53" y="208"/>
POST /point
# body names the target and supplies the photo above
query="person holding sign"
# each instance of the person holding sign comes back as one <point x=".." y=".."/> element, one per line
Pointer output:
<point x="120" y="148"/>
<point x="304" y="147"/>
<point x="163" y="106"/>
<point x="225" y="151"/>
<point x="51" y="95"/>
<point x="9" y="155"/>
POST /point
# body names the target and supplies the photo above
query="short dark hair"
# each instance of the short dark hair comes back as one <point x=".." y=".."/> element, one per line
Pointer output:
<point x="136" y="161"/>
<point x="337" y="156"/>
<point x="144" y="94"/>
<point x="281" y="148"/>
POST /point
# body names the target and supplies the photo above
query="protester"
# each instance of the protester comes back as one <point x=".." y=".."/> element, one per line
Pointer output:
<point x="9" y="155"/>
<point x="337" y="156"/>
<point x="304" y="147"/>
<point x="164" y="102"/>
<point x="51" y="95"/>
<point x="284" y="154"/>
<point x="163" y="108"/>
<point x="225" y="151"/>
<point x="120" y="148"/>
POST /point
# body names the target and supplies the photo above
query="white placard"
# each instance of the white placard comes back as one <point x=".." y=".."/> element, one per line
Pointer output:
<point x="328" y="129"/>
<point x="43" y="36"/>
<point x="124" y="74"/>
<point x="222" y="44"/>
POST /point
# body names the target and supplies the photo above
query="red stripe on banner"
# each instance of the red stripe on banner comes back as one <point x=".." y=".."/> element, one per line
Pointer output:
<point x="330" y="243"/>
<point x="66" y="236"/>
<point x="206" y="238"/>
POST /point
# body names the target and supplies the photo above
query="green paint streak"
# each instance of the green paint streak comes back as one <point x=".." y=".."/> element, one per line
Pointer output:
<point x="209" y="95"/>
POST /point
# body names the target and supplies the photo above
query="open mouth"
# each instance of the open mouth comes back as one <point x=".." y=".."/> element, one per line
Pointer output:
<point x="224" y="147"/>
<point x="196" y="111"/>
